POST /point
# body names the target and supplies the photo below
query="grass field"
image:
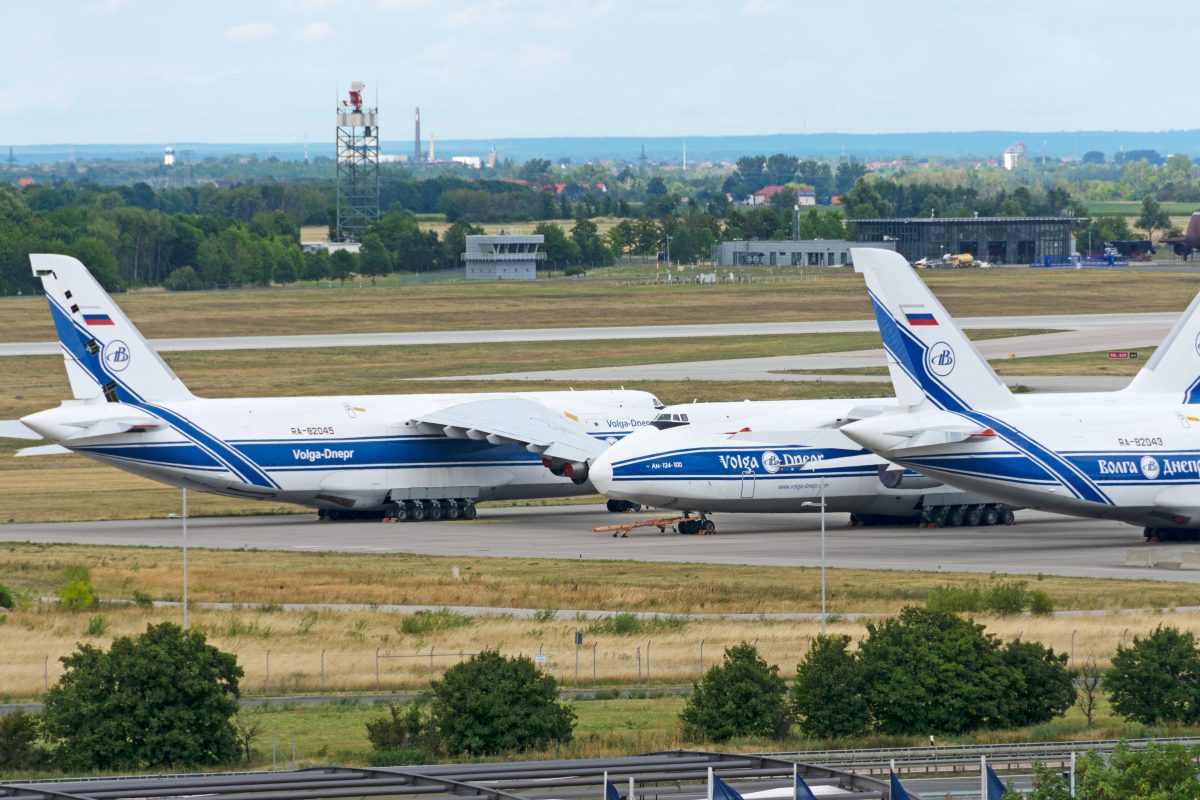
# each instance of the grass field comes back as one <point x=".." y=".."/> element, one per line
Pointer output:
<point x="828" y="294"/>
<point x="1133" y="208"/>
<point x="1085" y="364"/>
<point x="37" y="634"/>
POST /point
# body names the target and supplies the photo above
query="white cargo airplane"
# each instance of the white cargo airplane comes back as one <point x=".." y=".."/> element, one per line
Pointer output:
<point x="776" y="457"/>
<point x="1131" y="455"/>
<point x="406" y="456"/>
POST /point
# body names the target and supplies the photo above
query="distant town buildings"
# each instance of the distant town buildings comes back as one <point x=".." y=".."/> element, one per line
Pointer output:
<point x="805" y="195"/>
<point x="1014" y="155"/>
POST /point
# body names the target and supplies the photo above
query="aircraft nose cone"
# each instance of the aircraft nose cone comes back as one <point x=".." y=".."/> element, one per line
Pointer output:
<point x="601" y="473"/>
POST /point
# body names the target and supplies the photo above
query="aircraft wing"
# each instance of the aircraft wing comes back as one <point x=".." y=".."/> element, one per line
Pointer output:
<point x="15" y="429"/>
<point x="514" y="420"/>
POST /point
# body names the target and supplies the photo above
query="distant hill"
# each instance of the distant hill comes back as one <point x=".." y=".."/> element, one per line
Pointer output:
<point x="866" y="146"/>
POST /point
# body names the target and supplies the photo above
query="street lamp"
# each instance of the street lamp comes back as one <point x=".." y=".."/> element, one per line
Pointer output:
<point x="668" y="254"/>
<point x="185" y="561"/>
<point x="822" y="505"/>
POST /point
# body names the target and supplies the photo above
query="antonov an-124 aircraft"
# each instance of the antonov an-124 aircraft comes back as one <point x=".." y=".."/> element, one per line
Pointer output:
<point x="1131" y="455"/>
<point x="403" y="456"/>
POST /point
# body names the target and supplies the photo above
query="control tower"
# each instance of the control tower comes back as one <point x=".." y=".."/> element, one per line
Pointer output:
<point x="357" y="166"/>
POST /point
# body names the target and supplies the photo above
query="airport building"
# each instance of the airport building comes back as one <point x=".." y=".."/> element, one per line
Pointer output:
<point x="788" y="252"/>
<point x="1000" y="240"/>
<point x="503" y="257"/>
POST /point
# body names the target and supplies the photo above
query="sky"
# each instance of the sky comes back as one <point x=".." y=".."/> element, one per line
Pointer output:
<point x="139" y="71"/>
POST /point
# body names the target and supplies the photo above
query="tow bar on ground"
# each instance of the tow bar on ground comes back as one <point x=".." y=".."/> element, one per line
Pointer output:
<point x="685" y="525"/>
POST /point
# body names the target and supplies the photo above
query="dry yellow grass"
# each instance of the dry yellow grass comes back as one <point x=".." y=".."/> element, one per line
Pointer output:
<point x="282" y="651"/>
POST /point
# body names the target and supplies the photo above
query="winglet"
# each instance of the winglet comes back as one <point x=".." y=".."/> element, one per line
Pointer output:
<point x="923" y="341"/>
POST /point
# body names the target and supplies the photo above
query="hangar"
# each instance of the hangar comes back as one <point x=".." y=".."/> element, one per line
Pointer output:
<point x="1000" y="240"/>
<point x="787" y="252"/>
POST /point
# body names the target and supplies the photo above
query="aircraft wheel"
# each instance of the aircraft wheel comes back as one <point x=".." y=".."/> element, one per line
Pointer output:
<point x="614" y="506"/>
<point x="954" y="517"/>
<point x="1007" y="517"/>
<point x="973" y="515"/>
<point x="418" y="511"/>
<point x="632" y="507"/>
<point x="433" y="511"/>
<point x="469" y="511"/>
<point x="688" y="526"/>
<point x="401" y="512"/>
<point x="452" y="510"/>
<point x="709" y="526"/>
<point x="991" y="515"/>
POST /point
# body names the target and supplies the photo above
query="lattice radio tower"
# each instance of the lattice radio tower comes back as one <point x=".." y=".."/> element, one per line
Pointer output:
<point x="357" y="166"/>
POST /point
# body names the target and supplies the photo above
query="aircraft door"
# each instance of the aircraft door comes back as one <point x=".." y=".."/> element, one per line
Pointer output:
<point x="747" y="484"/>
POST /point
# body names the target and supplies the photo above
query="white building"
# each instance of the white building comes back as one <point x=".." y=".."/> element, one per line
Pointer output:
<point x="503" y="257"/>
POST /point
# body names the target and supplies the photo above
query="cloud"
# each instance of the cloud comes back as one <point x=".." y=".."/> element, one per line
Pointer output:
<point x="760" y="8"/>
<point x="315" y="31"/>
<point x="250" y="31"/>
<point x="405" y="5"/>
<point x="535" y="56"/>
<point x="106" y="7"/>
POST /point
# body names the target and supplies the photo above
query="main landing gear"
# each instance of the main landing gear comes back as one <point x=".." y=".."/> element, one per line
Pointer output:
<point x="623" y="506"/>
<point x="407" y="511"/>
<point x="697" y="527"/>
<point x="966" y="516"/>
<point x="1170" y="534"/>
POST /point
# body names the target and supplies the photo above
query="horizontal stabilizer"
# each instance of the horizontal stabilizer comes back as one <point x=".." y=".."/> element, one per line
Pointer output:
<point x="15" y="429"/>
<point x="111" y="427"/>
<point x="43" y="450"/>
<point x="515" y="420"/>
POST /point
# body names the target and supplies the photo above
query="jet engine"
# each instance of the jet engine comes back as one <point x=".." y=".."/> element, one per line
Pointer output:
<point x="896" y="479"/>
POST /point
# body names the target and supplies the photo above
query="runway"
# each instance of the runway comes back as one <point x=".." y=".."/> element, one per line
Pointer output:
<point x="1039" y="543"/>
<point x="1126" y="324"/>
<point x="818" y="366"/>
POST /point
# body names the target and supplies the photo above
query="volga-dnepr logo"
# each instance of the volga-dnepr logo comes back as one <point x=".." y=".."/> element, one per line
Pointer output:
<point x="116" y="355"/>
<point x="1149" y="467"/>
<point x="940" y="359"/>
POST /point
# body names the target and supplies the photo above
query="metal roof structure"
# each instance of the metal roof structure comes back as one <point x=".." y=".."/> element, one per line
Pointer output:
<point x="675" y="775"/>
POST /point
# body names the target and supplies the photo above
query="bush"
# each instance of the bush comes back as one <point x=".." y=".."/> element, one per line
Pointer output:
<point x="400" y="735"/>
<point x="491" y="704"/>
<point x="162" y="699"/>
<point x="929" y="671"/>
<point x="19" y="751"/>
<point x="1048" y="687"/>
<point x="78" y="593"/>
<point x="999" y="597"/>
<point x="423" y="623"/>
<point x="97" y="626"/>
<point x="6" y="597"/>
<point x="1157" y="678"/>
<point x="142" y="599"/>
<point x="627" y="624"/>
<point x="741" y="696"/>
<point x="827" y="697"/>
<point x="182" y="279"/>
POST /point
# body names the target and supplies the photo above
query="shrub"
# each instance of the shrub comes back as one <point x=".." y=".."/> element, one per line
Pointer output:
<point x="161" y="699"/>
<point x="1048" y="687"/>
<point x="954" y="599"/>
<point x="19" y="751"/>
<point x="827" y="698"/>
<point x="182" y="279"/>
<point x="6" y="597"/>
<point x="628" y="624"/>
<point x="1157" y="678"/>
<point x="142" y="599"/>
<point x="492" y="704"/>
<point x="425" y="622"/>
<point x="999" y="597"/>
<point x="930" y="671"/>
<point x="544" y="615"/>
<point x="402" y="737"/>
<point x="1006" y="598"/>
<point x="97" y="626"/>
<point x="78" y="593"/>
<point x="1040" y="603"/>
<point x="741" y="696"/>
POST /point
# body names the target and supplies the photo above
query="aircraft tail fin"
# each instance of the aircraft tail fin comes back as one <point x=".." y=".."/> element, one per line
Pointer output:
<point x="104" y="353"/>
<point x="922" y="340"/>
<point x="1175" y="366"/>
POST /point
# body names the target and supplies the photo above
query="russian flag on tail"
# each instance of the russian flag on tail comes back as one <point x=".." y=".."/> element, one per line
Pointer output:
<point x="917" y="315"/>
<point x="97" y="319"/>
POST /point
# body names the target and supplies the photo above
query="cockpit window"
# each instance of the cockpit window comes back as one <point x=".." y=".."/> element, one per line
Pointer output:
<point x="664" y="421"/>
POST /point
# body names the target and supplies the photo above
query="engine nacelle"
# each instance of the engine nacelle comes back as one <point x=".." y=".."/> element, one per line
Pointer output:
<point x="896" y="479"/>
<point x="577" y="471"/>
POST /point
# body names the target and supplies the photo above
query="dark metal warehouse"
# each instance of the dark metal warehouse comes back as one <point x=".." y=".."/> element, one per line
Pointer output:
<point x="1001" y="240"/>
